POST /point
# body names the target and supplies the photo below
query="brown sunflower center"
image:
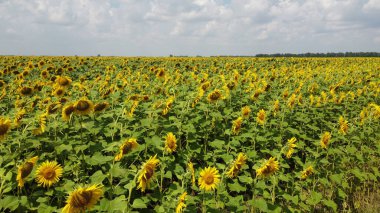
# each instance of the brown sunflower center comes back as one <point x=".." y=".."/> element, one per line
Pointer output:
<point x="215" y="96"/>
<point x="63" y="81"/>
<point x="149" y="173"/>
<point x="59" y="92"/>
<point x="4" y="129"/>
<point x="127" y="147"/>
<point x="100" y="107"/>
<point x="82" y="105"/>
<point x="49" y="174"/>
<point x="81" y="200"/>
<point x="26" y="91"/>
<point x="209" y="179"/>
<point x="69" y="110"/>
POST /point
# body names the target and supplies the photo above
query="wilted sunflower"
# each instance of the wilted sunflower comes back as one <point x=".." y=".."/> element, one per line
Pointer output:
<point x="24" y="170"/>
<point x="307" y="172"/>
<point x="126" y="147"/>
<point x="236" y="166"/>
<point x="48" y="173"/>
<point x="181" y="203"/>
<point x="83" y="107"/>
<point x="99" y="107"/>
<point x="146" y="172"/>
<point x="170" y="142"/>
<point x="268" y="168"/>
<point x="325" y="139"/>
<point x="236" y="125"/>
<point x="209" y="178"/>
<point x="82" y="199"/>
<point x="5" y="126"/>
<point x="291" y="146"/>
<point x="245" y="111"/>
<point x="261" y="117"/>
<point x="214" y="96"/>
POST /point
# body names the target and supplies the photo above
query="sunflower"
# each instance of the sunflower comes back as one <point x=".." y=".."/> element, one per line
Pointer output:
<point x="82" y="199"/>
<point x="59" y="92"/>
<point x="26" y="91"/>
<point x="126" y="147"/>
<point x="83" y="107"/>
<point x="19" y="116"/>
<point x="245" y="111"/>
<point x="42" y="124"/>
<point x="181" y="203"/>
<point x="236" y="166"/>
<point x="291" y="146"/>
<point x="276" y="107"/>
<point x="170" y="142"/>
<point x="99" y="107"/>
<point x="325" y="139"/>
<point x="48" y="173"/>
<point x="261" y="117"/>
<point x="269" y="167"/>
<point x="292" y="101"/>
<point x="236" y="125"/>
<point x="343" y="125"/>
<point x="190" y="166"/>
<point x="24" y="170"/>
<point x="53" y="107"/>
<point x="147" y="172"/>
<point x="63" y="81"/>
<point x="307" y="172"/>
<point x="67" y="111"/>
<point x="209" y="178"/>
<point x="214" y="96"/>
<point x="5" y="126"/>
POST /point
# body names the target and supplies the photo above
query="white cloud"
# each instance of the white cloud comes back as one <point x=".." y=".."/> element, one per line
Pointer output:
<point x="205" y="27"/>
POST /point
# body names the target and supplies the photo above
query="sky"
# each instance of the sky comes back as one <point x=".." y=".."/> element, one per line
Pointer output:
<point x="184" y="27"/>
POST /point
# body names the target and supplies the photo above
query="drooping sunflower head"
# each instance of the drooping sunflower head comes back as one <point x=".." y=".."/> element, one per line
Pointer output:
<point x="181" y="203"/>
<point x="261" y="117"/>
<point x="126" y="147"/>
<point x="290" y="147"/>
<point x="5" y="126"/>
<point x="24" y="170"/>
<point x="237" y="165"/>
<point x="236" y="125"/>
<point x="48" y="173"/>
<point x="307" y="172"/>
<point x="84" y="107"/>
<point x="214" y="95"/>
<point x="99" y="107"/>
<point x="53" y="107"/>
<point x="209" y="178"/>
<point x="82" y="199"/>
<point x="67" y="111"/>
<point x="343" y="125"/>
<point x="147" y="172"/>
<point x="170" y="142"/>
<point x="325" y="140"/>
<point x="269" y="167"/>
<point x="276" y="106"/>
<point x="190" y="167"/>
<point x="245" y="111"/>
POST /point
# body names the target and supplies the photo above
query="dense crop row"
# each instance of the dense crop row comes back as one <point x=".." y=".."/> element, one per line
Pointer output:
<point x="189" y="134"/>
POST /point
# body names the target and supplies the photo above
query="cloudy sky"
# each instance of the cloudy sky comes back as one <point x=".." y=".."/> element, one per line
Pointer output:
<point x="185" y="27"/>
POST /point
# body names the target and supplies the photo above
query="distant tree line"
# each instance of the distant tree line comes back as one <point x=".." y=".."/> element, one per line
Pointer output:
<point x="346" y="54"/>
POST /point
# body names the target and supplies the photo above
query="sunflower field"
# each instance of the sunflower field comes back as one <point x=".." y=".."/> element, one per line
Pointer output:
<point x="190" y="134"/>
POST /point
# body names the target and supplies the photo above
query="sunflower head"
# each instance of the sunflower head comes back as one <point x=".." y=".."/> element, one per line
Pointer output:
<point x="84" y="107"/>
<point x="126" y="147"/>
<point x="99" y="107"/>
<point x="236" y="125"/>
<point x="237" y="165"/>
<point x="170" y="142"/>
<point x="261" y="117"/>
<point x="147" y="172"/>
<point x="325" y="140"/>
<point x="5" y="126"/>
<point x="245" y="111"/>
<point x="209" y="178"/>
<point x="24" y="170"/>
<point x="290" y="147"/>
<point x="82" y="199"/>
<point x="67" y="111"/>
<point x="214" y="96"/>
<point x="59" y="92"/>
<point x="48" y="173"/>
<point x="26" y="91"/>
<point x="269" y="167"/>
<point x="307" y="172"/>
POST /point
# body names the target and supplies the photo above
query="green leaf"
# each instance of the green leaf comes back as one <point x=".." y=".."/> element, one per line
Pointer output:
<point x="99" y="159"/>
<point x="217" y="144"/>
<point x="97" y="177"/>
<point x="245" y="179"/>
<point x="330" y="204"/>
<point x="139" y="204"/>
<point x="236" y="187"/>
<point x="315" y="198"/>
<point x="261" y="204"/>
